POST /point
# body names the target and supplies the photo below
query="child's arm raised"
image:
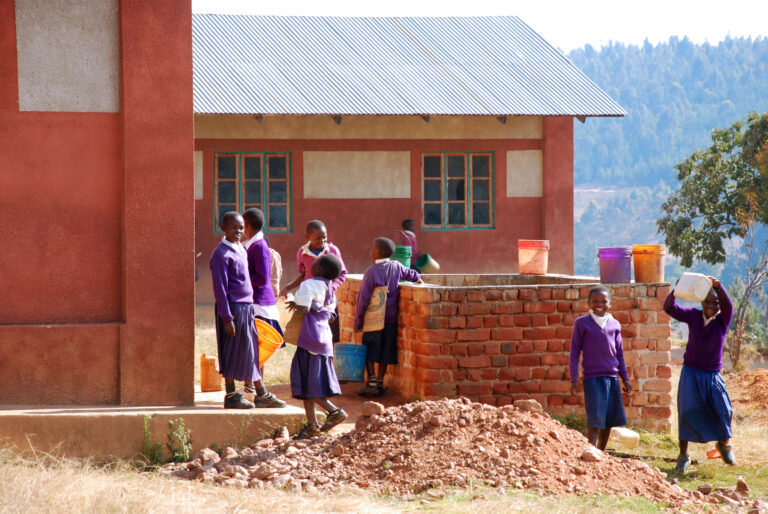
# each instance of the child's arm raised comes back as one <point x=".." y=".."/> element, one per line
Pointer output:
<point x="292" y="285"/>
<point x="726" y="305"/>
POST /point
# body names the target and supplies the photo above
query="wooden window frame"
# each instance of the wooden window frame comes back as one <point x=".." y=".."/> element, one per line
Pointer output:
<point x="469" y="196"/>
<point x="264" y="180"/>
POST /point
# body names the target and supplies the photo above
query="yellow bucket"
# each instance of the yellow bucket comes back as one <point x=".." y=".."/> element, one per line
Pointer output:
<point x="269" y="340"/>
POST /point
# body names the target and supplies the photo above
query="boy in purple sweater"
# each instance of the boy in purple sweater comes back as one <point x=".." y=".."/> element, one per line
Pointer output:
<point x="236" y="336"/>
<point x="704" y="410"/>
<point x="598" y="336"/>
<point x="381" y="344"/>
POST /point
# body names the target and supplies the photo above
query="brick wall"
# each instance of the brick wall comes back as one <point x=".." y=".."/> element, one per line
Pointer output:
<point x="497" y="344"/>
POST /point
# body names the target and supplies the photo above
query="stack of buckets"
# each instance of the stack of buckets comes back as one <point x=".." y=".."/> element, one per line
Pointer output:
<point x="616" y="263"/>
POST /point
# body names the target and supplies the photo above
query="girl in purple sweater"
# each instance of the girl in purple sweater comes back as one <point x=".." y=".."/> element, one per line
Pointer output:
<point x="704" y="410"/>
<point x="598" y="336"/>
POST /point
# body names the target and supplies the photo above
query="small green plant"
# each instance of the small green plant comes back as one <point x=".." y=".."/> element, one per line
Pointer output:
<point x="215" y="447"/>
<point x="179" y="444"/>
<point x="151" y="450"/>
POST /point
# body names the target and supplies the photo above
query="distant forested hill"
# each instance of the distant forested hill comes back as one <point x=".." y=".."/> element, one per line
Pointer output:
<point x="675" y="93"/>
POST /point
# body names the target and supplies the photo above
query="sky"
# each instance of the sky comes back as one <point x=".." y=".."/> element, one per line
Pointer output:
<point x="566" y="24"/>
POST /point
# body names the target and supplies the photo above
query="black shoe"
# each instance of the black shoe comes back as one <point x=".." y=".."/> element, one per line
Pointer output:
<point x="268" y="401"/>
<point x="334" y="418"/>
<point x="308" y="432"/>
<point x="370" y="388"/>
<point x="237" y="401"/>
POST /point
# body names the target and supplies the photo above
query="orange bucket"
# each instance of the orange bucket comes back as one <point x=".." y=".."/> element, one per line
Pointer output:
<point x="269" y="340"/>
<point x="649" y="262"/>
<point x="532" y="256"/>
<point x="210" y="379"/>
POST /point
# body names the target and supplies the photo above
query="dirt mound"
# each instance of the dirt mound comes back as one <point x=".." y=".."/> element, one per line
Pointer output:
<point x="749" y="390"/>
<point x="411" y="448"/>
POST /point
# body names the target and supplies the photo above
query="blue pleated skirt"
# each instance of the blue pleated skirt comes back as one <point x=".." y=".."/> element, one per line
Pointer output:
<point x="603" y="402"/>
<point x="239" y="355"/>
<point x="313" y="376"/>
<point x="704" y="410"/>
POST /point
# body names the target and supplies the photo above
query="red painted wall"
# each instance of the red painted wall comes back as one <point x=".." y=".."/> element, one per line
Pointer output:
<point x="352" y="224"/>
<point x="96" y="264"/>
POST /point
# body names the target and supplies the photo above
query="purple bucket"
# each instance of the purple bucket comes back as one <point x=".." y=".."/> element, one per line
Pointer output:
<point x="615" y="264"/>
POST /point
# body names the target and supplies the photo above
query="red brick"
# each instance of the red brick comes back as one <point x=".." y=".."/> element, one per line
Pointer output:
<point x="555" y="386"/>
<point x="539" y="346"/>
<point x="655" y="358"/>
<point x="621" y="317"/>
<point x="459" y="349"/>
<point x="491" y="348"/>
<point x="663" y="345"/>
<point x="664" y="399"/>
<point x="507" y="334"/>
<point x="503" y="400"/>
<point x="538" y="320"/>
<point x="522" y="374"/>
<point x="563" y="306"/>
<point x="439" y="390"/>
<point x="507" y="374"/>
<point x="427" y="375"/>
<point x="501" y="388"/>
<point x="563" y="332"/>
<point x="527" y="294"/>
<point x="657" y="412"/>
<point x="448" y="309"/>
<point x="437" y="336"/>
<point x="555" y="372"/>
<point x="544" y="293"/>
<point x="478" y="361"/>
<point x="571" y="294"/>
<point x="524" y="387"/>
<point x="525" y="347"/>
<point x="433" y="362"/>
<point x="459" y="375"/>
<point x="522" y="320"/>
<point x="474" y="375"/>
<point x="662" y="291"/>
<point x="555" y="359"/>
<point x="468" y="309"/>
<point x="530" y="359"/>
<point x="506" y="320"/>
<point x="474" y="334"/>
<point x="475" y="296"/>
<point x="636" y="316"/>
<point x="554" y="319"/>
<point x="639" y="399"/>
<point x="498" y="361"/>
<point x="571" y="400"/>
<point x="474" y="389"/>
<point x="427" y="349"/>
<point x="558" y="293"/>
<point x="507" y="348"/>
<point x="650" y="304"/>
<point x="502" y="308"/>
<point x="538" y="373"/>
<point x="584" y="291"/>
<point x="457" y="295"/>
<point x="457" y="322"/>
<point x="663" y="371"/>
<point x="638" y="343"/>
<point x="554" y="400"/>
<point x="569" y="318"/>
<point x="639" y="371"/>
<point x="475" y="349"/>
<point x="660" y="385"/>
<point x="490" y="374"/>
<point x="554" y="346"/>
<point x="547" y="307"/>
<point x="475" y="321"/>
<point x="543" y="333"/>
<point x="490" y="321"/>
<point x="510" y="294"/>
<point x="493" y="294"/>
<point x="662" y="317"/>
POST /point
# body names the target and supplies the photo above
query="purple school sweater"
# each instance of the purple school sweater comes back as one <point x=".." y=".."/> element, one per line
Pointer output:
<point x="602" y="348"/>
<point x="388" y="273"/>
<point x="305" y="259"/>
<point x="704" y="350"/>
<point x="231" y="283"/>
<point x="259" y="271"/>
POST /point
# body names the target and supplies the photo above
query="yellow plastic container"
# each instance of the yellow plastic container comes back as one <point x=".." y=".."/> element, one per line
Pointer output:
<point x="625" y="437"/>
<point x="269" y="340"/>
<point x="210" y="379"/>
<point x="532" y="256"/>
<point x="649" y="262"/>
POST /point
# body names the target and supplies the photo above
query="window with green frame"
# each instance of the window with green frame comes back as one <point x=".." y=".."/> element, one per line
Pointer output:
<point x="457" y="190"/>
<point x="254" y="179"/>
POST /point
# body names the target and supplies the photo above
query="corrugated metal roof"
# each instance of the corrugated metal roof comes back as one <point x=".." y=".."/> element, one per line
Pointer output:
<point x="333" y="65"/>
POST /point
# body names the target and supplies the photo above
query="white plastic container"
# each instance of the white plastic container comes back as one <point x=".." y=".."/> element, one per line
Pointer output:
<point x="693" y="287"/>
<point x="625" y="437"/>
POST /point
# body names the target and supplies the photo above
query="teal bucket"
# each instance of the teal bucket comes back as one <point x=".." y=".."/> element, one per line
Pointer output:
<point x="402" y="255"/>
<point x="349" y="361"/>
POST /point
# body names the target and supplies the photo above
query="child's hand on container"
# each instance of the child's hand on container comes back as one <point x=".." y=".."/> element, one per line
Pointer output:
<point x="715" y="282"/>
<point x="574" y="387"/>
<point x="229" y="328"/>
<point x="627" y="386"/>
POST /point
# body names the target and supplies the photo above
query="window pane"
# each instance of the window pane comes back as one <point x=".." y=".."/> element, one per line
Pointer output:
<point x="456" y="167"/>
<point x="481" y="214"/>
<point x="277" y="167"/>
<point x="223" y="209"/>
<point x="433" y="214"/>
<point x="481" y="165"/>
<point x="226" y="167"/>
<point x="252" y="167"/>
<point x="480" y="190"/>
<point x="456" y="214"/>
<point x="432" y="190"/>
<point x="252" y="192"/>
<point x="277" y="191"/>
<point x="227" y="193"/>
<point x="456" y="189"/>
<point x="432" y="166"/>
<point x="278" y="216"/>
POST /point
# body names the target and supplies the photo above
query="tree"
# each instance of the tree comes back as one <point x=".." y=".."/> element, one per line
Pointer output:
<point x="723" y="194"/>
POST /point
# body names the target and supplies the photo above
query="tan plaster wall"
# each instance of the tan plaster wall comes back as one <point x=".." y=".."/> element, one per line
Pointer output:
<point x="198" y="175"/>
<point x="215" y="126"/>
<point x="524" y="173"/>
<point x="68" y="55"/>
<point x="357" y="175"/>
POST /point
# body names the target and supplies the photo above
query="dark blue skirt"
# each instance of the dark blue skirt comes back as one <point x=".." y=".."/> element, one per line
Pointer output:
<point x="704" y="410"/>
<point x="239" y="355"/>
<point x="603" y="402"/>
<point x="313" y="376"/>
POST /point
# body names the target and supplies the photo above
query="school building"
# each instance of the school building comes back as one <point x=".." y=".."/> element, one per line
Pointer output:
<point x="463" y="124"/>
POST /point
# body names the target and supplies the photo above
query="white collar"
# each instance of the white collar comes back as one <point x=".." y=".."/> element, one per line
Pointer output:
<point x="257" y="237"/>
<point x="706" y="319"/>
<point x="235" y="246"/>
<point x="601" y="320"/>
<point x="306" y="251"/>
<point x="380" y="261"/>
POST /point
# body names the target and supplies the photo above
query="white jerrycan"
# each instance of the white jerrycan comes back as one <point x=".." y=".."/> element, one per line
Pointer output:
<point x="625" y="437"/>
<point x="693" y="287"/>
